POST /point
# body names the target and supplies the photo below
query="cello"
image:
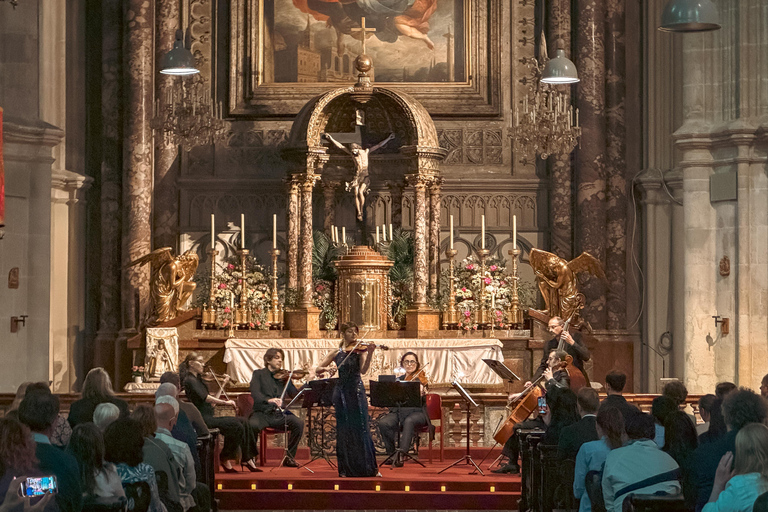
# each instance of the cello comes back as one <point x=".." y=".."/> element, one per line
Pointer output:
<point x="578" y="380"/>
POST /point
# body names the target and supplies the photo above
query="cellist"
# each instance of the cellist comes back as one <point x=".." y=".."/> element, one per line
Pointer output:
<point x="554" y="376"/>
<point x="571" y="343"/>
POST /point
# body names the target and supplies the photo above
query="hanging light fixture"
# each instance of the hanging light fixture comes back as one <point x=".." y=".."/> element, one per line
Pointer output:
<point x="689" y="16"/>
<point x="560" y="70"/>
<point x="179" y="60"/>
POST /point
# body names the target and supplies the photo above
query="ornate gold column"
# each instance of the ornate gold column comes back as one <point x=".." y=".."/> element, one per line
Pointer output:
<point x="306" y="184"/>
<point x="420" y="273"/>
<point x="434" y="235"/>
<point x="293" y="233"/>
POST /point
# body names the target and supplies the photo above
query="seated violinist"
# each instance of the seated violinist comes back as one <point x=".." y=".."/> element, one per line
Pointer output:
<point x="411" y="418"/>
<point x="552" y="376"/>
<point x="271" y="389"/>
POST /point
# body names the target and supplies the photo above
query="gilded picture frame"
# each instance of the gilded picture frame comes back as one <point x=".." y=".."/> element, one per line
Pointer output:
<point x="260" y="88"/>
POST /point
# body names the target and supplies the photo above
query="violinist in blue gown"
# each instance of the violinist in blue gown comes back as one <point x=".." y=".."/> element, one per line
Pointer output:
<point x="355" y="454"/>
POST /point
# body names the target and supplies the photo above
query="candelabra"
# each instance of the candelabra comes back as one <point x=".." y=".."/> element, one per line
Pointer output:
<point x="275" y="315"/>
<point x="242" y="312"/>
<point x="451" y="315"/>
<point x="483" y="320"/>
<point x="515" y="314"/>
<point x="209" y="313"/>
<point x="188" y="116"/>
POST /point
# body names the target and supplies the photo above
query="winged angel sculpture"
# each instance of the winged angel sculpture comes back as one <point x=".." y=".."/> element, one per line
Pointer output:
<point x="557" y="280"/>
<point x="170" y="284"/>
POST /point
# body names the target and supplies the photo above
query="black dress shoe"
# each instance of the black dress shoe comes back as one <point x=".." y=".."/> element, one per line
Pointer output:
<point x="290" y="463"/>
<point x="507" y="469"/>
<point x="398" y="463"/>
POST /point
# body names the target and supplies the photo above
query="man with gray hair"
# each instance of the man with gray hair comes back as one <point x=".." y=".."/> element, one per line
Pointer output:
<point x="188" y="408"/>
<point x="183" y="429"/>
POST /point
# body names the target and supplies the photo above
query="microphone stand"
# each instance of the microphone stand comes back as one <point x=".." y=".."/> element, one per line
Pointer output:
<point x="286" y="455"/>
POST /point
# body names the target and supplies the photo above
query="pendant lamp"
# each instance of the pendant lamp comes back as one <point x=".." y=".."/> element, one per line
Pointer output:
<point x="689" y="16"/>
<point x="179" y="60"/>
<point x="560" y="70"/>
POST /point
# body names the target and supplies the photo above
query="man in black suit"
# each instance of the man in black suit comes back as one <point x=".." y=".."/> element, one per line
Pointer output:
<point x="572" y="344"/>
<point x="38" y="411"/>
<point x="614" y="386"/>
<point x="583" y="431"/>
<point x="267" y="391"/>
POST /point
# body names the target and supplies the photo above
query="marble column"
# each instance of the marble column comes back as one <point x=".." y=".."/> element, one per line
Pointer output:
<point x="109" y="183"/>
<point x="420" y="263"/>
<point x="293" y="233"/>
<point x="434" y="236"/>
<point x="560" y="167"/>
<point x="590" y="215"/>
<point x="329" y="205"/>
<point x="396" y="191"/>
<point x="165" y="221"/>
<point x="305" y="247"/>
<point x="615" y="141"/>
<point x="137" y="170"/>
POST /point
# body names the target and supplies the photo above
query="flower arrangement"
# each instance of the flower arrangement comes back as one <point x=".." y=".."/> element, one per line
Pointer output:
<point x="322" y="297"/>
<point x="137" y="371"/>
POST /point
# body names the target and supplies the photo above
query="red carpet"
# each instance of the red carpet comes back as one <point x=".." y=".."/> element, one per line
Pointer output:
<point x="408" y="488"/>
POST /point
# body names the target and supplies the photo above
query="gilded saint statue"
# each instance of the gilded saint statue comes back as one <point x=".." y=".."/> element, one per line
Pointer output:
<point x="170" y="284"/>
<point x="162" y="352"/>
<point x="557" y="281"/>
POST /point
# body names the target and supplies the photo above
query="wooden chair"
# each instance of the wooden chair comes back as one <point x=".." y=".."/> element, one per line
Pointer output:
<point x="434" y="412"/>
<point x="244" y="407"/>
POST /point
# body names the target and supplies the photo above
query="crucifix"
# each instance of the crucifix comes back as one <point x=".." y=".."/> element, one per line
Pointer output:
<point x="363" y="32"/>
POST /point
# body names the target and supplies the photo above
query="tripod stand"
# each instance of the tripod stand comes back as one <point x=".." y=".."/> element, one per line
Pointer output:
<point x="286" y="455"/>
<point x="320" y="393"/>
<point x="397" y="394"/>
<point x="470" y="402"/>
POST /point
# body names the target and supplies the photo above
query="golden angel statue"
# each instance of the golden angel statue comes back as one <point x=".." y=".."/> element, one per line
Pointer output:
<point x="170" y="284"/>
<point x="557" y="281"/>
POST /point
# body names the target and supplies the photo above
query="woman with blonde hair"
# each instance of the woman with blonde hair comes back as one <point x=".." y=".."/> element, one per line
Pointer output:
<point x="97" y="389"/>
<point x="736" y="489"/>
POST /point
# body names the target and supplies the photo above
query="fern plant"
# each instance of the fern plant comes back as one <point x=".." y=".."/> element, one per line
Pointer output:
<point x="401" y="274"/>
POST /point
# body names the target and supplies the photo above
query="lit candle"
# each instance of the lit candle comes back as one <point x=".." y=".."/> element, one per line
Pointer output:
<point x="390" y="232"/>
<point x="274" y="231"/>
<point x="377" y="234"/>
<point x="242" y="231"/>
<point x="482" y="232"/>
<point x="213" y="234"/>
<point x="451" y="232"/>
<point x="343" y="234"/>
<point x="514" y="232"/>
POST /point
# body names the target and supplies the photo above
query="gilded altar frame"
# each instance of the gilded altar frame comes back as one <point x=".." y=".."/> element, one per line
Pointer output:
<point x="251" y="96"/>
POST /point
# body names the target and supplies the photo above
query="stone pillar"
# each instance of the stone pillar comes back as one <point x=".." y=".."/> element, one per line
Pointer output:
<point x="110" y="216"/>
<point x="137" y="170"/>
<point x="329" y="205"/>
<point x="165" y="221"/>
<point x="293" y="234"/>
<point x="434" y="236"/>
<point x="591" y="159"/>
<point x="305" y="247"/>
<point x="397" y="204"/>
<point x="420" y="262"/>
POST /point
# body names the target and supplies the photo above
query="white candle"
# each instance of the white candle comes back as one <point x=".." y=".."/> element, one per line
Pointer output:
<point x="274" y="231"/>
<point x="377" y="234"/>
<point x="493" y="301"/>
<point x="514" y="232"/>
<point x="482" y="232"/>
<point x="343" y="234"/>
<point x="242" y="231"/>
<point x="390" y="232"/>
<point x="231" y="300"/>
<point x="384" y="232"/>
<point x="451" y="232"/>
<point x="213" y="233"/>
<point x="336" y="234"/>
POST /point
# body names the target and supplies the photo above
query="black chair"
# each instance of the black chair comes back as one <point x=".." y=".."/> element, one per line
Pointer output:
<point x="99" y="504"/>
<point x="556" y="477"/>
<point x="530" y="474"/>
<point x="593" y="484"/>
<point x="654" y="503"/>
<point x="139" y="496"/>
<point x="761" y="503"/>
<point x="206" y="450"/>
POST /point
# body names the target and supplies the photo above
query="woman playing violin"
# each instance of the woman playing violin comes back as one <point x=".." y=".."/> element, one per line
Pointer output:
<point x="271" y="389"/>
<point x="355" y="453"/>
<point x="411" y="418"/>
<point x="236" y="431"/>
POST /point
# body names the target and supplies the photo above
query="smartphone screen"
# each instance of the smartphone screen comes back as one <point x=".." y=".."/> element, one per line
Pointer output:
<point x="37" y="486"/>
<point x="542" y="405"/>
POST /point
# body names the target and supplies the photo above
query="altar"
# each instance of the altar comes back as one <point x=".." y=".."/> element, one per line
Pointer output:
<point x="445" y="360"/>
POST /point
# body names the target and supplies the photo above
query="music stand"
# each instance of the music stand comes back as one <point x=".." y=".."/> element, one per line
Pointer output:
<point x="470" y="402"/>
<point x="320" y="393"/>
<point x="286" y="455"/>
<point x="397" y="394"/>
<point x="500" y="369"/>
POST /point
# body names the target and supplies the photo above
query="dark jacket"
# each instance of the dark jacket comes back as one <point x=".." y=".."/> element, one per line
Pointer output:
<point x="265" y="386"/>
<point x="573" y="436"/>
<point x="81" y="411"/>
<point x="621" y="404"/>
<point x="55" y="461"/>
<point x="704" y="465"/>
<point x="578" y="351"/>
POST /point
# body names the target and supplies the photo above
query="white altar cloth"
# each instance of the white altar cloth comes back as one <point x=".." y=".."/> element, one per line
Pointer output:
<point x="448" y="359"/>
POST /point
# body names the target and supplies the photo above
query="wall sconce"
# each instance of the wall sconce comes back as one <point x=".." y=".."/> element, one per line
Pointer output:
<point x="724" y="324"/>
<point x="16" y="320"/>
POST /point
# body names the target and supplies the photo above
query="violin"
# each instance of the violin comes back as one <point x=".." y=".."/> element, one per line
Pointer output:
<point x="284" y="374"/>
<point x="363" y="347"/>
<point x="419" y="375"/>
<point x="215" y="382"/>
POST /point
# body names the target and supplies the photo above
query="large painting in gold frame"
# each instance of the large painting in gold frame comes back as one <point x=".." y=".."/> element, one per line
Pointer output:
<point x="262" y="31"/>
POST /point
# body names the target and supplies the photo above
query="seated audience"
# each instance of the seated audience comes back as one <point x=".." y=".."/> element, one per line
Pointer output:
<point x="740" y="408"/>
<point x="735" y="490"/>
<point x="661" y="407"/>
<point x="584" y="430"/>
<point x="123" y="443"/>
<point x="189" y="409"/>
<point x="717" y="428"/>
<point x="99" y="478"/>
<point x="677" y="391"/>
<point x="38" y="411"/>
<point x="639" y="467"/>
<point x="104" y="414"/>
<point x="97" y="389"/>
<point x="764" y="387"/>
<point x="592" y="454"/>
<point x="17" y="455"/>
<point x="680" y="441"/>
<point x="614" y="386"/>
<point x="183" y="429"/>
<point x="13" y="501"/>
<point x="159" y="455"/>
<point x="561" y="413"/>
<point x="723" y="389"/>
<point x="61" y="428"/>
<point x="706" y="403"/>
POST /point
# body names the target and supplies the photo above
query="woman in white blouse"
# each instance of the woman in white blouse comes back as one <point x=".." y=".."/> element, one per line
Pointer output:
<point x="99" y="478"/>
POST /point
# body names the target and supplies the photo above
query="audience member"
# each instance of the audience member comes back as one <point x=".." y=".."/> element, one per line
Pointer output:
<point x="614" y="386"/>
<point x="13" y="501"/>
<point x="740" y="408"/>
<point x="717" y="428"/>
<point x="764" y="387"/>
<point x="193" y="414"/>
<point x="561" y="413"/>
<point x="104" y="414"/>
<point x="723" y="389"/>
<point x="583" y="431"/>
<point x="706" y="403"/>
<point x="680" y="441"/>
<point x="677" y="391"/>
<point x="183" y="429"/>
<point x="97" y="389"/>
<point x="592" y="454"/>
<point x="61" y="429"/>
<point x="736" y="490"/>
<point x="17" y="453"/>
<point x="38" y="411"/>
<point x="123" y="445"/>
<point x="99" y="478"/>
<point x="661" y="407"/>
<point x="639" y="466"/>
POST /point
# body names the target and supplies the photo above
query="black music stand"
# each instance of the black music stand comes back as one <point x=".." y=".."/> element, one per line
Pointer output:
<point x="397" y="394"/>
<point x="470" y="402"/>
<point x="505" y="373"/>
<point x="319" y="392"/>
<point x="286" y="455"/>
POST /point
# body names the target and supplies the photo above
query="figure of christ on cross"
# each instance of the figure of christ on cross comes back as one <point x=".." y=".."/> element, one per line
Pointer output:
<point x="360" y="183"/>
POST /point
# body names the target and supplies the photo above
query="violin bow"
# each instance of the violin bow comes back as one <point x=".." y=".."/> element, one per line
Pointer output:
<point x="353" y="349"/>
<point x="223" y="392"/>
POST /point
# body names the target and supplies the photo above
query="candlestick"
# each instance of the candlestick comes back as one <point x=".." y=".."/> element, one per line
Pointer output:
<point x="482" y="233"/>
<point x="242" y="231"/>
<point x="242" y="312"/>
<point x="451" y="232"/>
<point x="514" y="314"/>
<point x="213" y="233"/>
<point x="275" y="313"/>
<point x="483" y="320"/>
<point x="209" y="313"/>
<point x="274" y="231"/>
<point x="451" y="315"/>
<point x="514" y="231"/>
